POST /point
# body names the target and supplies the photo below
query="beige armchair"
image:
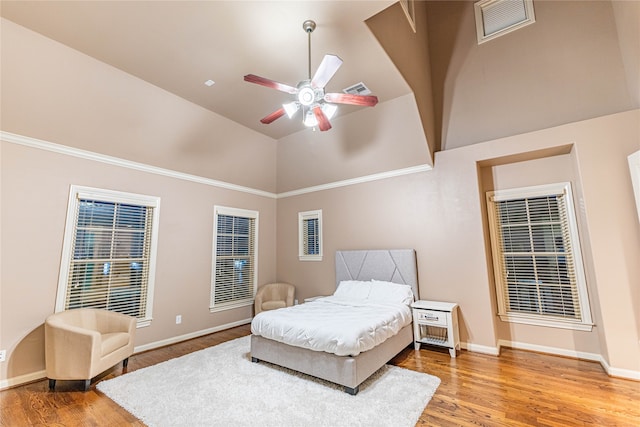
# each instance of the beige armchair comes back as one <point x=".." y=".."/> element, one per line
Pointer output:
<point x="274" y="295"/>
<point x="82" y="343"/>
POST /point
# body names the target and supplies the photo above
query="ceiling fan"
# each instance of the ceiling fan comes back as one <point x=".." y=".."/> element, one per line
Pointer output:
<point x="317" y="106"/>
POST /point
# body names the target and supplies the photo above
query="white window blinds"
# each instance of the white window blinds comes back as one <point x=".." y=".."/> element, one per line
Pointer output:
<point x="310" y="235"/>
<point x="107" y="260"/>
<point x="536" y="256"/>
<point x="234" y="276"/>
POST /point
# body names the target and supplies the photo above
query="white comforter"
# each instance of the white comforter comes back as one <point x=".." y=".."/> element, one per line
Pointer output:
<point x="333" y="324"/>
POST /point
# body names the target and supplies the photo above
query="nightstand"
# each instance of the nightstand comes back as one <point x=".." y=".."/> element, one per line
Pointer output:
<point x="436" y="323"/>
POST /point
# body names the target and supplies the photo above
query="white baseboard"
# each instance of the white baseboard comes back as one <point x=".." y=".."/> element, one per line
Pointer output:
<point x="476" y="348"/>
<point x="619" y="373"/>
<point x="22" y="379"/>
<point x="36" y="376"/>
<point x="594" y="357"/>
<point x="196" y="334"/>
<point x="550" y="350"/>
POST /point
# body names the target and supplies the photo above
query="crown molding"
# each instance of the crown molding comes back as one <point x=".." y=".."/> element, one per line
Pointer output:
<point x="359" y="180"/>
<point x="116" y="161"/>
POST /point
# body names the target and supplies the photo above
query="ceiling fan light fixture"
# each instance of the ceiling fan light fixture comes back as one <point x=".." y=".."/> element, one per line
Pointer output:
<point x="310" y="119"/>
<point x="291" y="108"/>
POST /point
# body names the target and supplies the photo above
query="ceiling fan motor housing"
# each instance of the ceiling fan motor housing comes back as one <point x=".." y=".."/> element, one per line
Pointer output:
<point x="307" y="94"/>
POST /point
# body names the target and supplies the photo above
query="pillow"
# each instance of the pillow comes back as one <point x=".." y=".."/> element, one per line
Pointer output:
<point x="353" y="289"/>
<point x="389" y="292"/>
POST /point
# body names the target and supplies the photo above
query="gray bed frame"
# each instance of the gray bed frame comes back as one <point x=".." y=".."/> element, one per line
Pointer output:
<point x="398" y="266"/>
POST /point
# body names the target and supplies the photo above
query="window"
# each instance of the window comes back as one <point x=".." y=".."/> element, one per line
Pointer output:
<point x="310" y="236"/>
<point x="536" y="256"/>
<point x="109" y="251"/>
<point x="495" y="18"/>
<point x="235" y="258"/>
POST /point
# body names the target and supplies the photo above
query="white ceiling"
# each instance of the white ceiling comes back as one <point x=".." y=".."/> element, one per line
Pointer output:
<point x="178" y="45"/>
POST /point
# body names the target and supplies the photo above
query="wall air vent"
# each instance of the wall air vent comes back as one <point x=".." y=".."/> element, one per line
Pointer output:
<point x="357" y="89"/>
<point x="495" y="18"/>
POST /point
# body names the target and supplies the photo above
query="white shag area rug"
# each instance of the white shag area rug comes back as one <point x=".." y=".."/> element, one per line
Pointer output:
<point x="220" y="386"/>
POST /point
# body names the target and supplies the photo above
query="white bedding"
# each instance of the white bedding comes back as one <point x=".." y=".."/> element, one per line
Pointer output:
<point x="338" y="325"/>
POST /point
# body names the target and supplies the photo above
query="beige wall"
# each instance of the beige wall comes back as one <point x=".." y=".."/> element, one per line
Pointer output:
<point x="440" y="213"/>
<point x="567" y="66"/>
<point x="55" y="93"/>
<point x="58" y="95"/>
<point x="369" y="141"/>
<point x="409" y="51"/>
<point x="627" y="18"/>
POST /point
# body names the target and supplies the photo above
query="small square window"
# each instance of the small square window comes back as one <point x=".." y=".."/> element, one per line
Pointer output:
<point x="310" y="235"/>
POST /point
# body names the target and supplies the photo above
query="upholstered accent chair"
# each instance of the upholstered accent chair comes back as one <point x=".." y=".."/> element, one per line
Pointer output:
<point x="84" y="342"/>
<point x="274" y="295"/>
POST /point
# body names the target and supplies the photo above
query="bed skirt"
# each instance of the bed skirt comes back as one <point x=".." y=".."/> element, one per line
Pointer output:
<point x="347" y="371"/>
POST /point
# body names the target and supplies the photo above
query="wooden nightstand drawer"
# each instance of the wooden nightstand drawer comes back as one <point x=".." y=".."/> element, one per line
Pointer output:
<point x="436" y="318"/>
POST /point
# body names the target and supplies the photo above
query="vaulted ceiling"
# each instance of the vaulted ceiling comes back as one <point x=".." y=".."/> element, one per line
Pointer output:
<point x="179" y="45"/>
<point x="579" y="60"/>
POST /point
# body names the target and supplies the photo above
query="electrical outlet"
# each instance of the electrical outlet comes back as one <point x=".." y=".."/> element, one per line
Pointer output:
<point x="178" y="319"/>
<point x="3" y="355"/>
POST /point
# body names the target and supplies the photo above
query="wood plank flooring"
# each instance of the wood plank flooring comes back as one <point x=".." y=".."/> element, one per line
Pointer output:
<point x="518" y="388"/>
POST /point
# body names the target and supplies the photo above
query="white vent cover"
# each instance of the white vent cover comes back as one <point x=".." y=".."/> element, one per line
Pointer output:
<point x="357" y="89"/>
<point x="495" y="18"/>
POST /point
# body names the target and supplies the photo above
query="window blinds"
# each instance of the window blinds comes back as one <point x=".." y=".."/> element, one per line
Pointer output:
<point x="537" y="262"/>
<point x="109" y="266"/>
<point x="235" y="259"/>
<point x="311" y="236"/>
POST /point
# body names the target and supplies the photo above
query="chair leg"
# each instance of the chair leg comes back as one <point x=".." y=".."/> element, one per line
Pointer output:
<point x="125" y="362"/>
<point x="352" y="391"/>
<point x="52" y="384"/>
<point x="87" y="383"/>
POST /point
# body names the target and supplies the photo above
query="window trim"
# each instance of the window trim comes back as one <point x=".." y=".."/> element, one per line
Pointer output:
<point x="223" y="210"/>
<point x="408" y="6"/>
<point x="77" y="192"/>
<point x="563" y="188"/>
<point x="302" y="217"/>
<point x="484" y="5"/>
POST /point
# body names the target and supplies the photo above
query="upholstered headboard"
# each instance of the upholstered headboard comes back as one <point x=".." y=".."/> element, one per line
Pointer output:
<point x="390" y="265"/>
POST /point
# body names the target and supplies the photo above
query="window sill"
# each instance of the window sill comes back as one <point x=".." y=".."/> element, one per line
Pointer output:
<point x="310" y="257"/>
<point x="550" y="323"/>
<point x="230" y="306"/>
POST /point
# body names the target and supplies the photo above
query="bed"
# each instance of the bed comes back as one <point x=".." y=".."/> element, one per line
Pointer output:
<point x="350" y="370"/>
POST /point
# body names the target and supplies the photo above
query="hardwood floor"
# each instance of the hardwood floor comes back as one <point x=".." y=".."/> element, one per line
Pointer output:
<point x="518" y="388"/>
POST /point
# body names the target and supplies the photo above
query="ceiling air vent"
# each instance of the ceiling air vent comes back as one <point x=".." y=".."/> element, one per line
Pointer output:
<point x="357" y="89"/>
<point x="495" y="18"/>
